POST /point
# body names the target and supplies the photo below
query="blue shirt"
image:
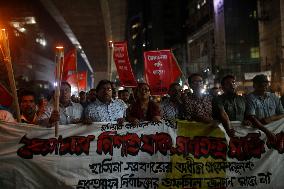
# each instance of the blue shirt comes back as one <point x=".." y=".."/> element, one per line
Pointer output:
<point x="103" y="112"/>
<point x="263" y="107"/>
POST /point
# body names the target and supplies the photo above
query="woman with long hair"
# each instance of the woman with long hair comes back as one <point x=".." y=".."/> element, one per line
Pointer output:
<point x="143" y="108"/>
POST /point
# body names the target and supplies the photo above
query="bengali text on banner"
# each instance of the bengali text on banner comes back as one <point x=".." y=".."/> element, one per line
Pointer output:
<point x="124" y="70"/>
<point x="161" y="69"/>
<point x="166" y="154"/>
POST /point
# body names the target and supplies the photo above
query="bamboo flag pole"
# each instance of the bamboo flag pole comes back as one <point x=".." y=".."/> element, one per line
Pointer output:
<point x="59" y="60"/>
<point x="4" y="45"/>
<point x="77" y="75"/>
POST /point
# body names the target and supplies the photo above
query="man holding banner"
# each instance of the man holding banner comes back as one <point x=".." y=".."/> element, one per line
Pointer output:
<point x="143" y="109"/>
<point x="29" y="113"/>
<point x="229" y="106"/>
<point x="105" y="108"/>
<point x="6" y="116"/>
<point x="198" y="106"/>
<point x="264" y="107"/>
<point x="69" y="112"/>
<point x="172" y="107"/>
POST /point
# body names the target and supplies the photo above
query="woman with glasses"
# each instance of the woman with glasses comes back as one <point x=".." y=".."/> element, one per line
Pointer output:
<point x="143" y="109"/>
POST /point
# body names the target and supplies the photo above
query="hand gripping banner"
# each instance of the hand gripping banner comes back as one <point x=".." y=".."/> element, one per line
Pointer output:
<point x="166" y="154"/>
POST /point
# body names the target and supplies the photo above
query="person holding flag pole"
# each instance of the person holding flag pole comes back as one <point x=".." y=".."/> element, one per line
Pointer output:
<point x="59" y="60"/>
<point x="5" y="51"/>
<point x="63" y="111"/>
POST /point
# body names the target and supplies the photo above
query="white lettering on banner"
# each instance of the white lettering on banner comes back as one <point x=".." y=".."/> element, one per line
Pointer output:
<point x="119" y="49"/>
<point x="119" y="52"/>
<point x="108" y="155"/>
<point x="121" y="61"/>
<point x="158" y="72"/>
<point x="118" y="55"/>
<point x="162" y="56"/>
<point x="158" y="64"/>
<point x="123" y="68"/>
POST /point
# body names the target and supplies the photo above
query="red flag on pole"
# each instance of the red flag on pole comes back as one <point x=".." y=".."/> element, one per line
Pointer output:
<point x="124" y="70"/>
<point x="161" y="70"/>
<point x="78" y="79"/>
<point x="70" y="64"/>
<point x="6" y="98"/>
<point x="82" y="80"/>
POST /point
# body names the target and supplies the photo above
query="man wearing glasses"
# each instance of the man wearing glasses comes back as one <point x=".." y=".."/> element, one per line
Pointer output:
<point x="197" y="106"/>
<point x="263" y="107"/>
<point x="69" y="112"/>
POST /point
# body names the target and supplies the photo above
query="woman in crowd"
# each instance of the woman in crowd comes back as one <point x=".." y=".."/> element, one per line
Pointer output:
<point x="143" y="109"/>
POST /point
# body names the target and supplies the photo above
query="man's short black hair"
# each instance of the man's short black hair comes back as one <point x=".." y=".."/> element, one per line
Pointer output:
<point x="173" y="85"/>
<point x="65" y="83"/>
<point x="260" y="78"/>
<point x="103" y="82"/>
<point x="192" y="76"/>
<point x="92" y="90"/>
<point x="227" y="77"/>
<point x="122" y="91"/>
<point x="82" y="92"/>
<point x="26" y="92"/>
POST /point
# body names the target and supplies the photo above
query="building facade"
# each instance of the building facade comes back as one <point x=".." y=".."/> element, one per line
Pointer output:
<point x="155" y="25"/>
<point x="223" y="38"/>
<point x="271" y="38"/>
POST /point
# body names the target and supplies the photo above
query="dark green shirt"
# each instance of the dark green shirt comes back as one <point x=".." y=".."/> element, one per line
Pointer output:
<point x="234" y="106"/>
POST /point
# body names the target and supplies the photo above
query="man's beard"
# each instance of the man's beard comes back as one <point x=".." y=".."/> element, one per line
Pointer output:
<point x="30" y="112"/>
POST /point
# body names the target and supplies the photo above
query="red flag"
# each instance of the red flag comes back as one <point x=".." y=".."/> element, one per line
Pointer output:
<point x="70" y="64"/>
<point x="161" y="70"/>
<point x="82" y="80"/>
<point x="123" y="67"/>
<point x="6" y="99"/>
<point x="78" y="79"/>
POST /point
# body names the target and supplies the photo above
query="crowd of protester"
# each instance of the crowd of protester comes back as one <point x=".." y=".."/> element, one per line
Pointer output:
<point x="106" y="104"/>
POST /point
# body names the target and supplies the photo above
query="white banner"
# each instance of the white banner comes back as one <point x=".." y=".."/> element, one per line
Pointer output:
<point x="151" y="155"/>
<point x="251" y="75"/>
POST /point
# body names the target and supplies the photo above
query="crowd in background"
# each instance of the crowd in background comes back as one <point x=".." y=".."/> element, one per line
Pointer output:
<point x="105" y="104"/>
